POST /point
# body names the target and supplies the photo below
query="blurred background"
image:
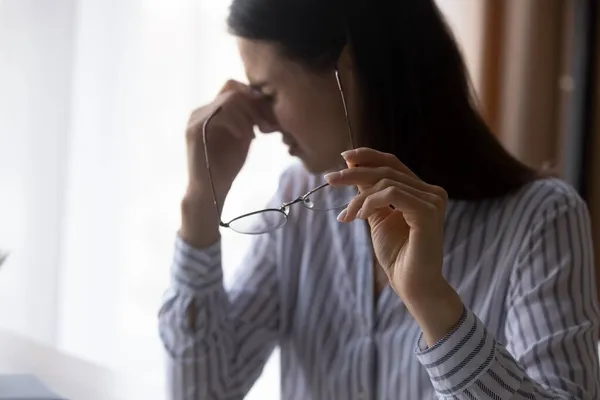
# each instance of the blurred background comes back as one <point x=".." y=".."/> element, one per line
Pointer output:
<point x="94" y="100"/>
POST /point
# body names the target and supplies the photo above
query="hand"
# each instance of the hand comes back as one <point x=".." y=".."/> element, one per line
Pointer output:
<point x="406" y="217"/>
<point x="405" y="214"/>
<point x="229" y="135"/>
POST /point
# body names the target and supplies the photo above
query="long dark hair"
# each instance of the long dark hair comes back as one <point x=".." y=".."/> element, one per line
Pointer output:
<point x="420" y="102"/>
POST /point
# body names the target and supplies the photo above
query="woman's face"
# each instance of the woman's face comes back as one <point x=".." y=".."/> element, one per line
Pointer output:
<point x="307" y="105"/>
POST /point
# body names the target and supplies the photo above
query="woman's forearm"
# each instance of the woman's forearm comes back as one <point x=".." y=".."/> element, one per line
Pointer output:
<point x="437" y="309"/>
<point x="199" y="221"/>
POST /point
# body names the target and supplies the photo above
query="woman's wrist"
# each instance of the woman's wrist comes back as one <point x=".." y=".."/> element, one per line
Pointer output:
<point x="437" y="308"/>
<point x="199" y="221"/>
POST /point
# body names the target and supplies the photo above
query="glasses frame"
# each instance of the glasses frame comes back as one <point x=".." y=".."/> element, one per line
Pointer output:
<point x="285" y="207"/>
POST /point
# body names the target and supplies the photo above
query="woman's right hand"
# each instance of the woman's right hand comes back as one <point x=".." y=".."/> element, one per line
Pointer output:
<point x="229" y="135"/>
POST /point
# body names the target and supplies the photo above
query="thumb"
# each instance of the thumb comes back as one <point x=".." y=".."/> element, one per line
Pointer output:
<point x="267" y="122"/>
<point x="266" y="126"/>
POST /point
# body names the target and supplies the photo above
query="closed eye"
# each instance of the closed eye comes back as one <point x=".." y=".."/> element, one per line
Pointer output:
<point x="269" y="97"/>
<point x="260" y="89"/>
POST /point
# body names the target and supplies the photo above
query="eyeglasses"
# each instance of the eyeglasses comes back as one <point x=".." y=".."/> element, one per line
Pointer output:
<point x="322" y="198"/>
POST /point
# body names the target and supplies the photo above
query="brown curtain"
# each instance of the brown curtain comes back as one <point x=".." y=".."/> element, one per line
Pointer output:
<point x="527" y="86"/>
<point x="521" y="68"/>
<point x="594" y="178"/>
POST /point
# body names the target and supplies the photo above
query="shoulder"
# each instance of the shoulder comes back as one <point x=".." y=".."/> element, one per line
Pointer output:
<point x="548" y="210"/>
<point x="555" y="190"/>
<point x="549" y="195"/>
<point x="531" y="202"/>
<point x="535" y="209"/>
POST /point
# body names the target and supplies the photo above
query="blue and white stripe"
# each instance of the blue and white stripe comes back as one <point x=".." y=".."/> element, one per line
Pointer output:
<point x="522" y="264"/>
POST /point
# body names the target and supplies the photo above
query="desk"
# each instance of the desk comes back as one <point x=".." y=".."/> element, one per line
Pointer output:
<point x="69" y="376"/>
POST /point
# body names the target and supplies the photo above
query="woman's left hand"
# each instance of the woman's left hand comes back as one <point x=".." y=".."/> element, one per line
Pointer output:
<point x="406" y="217"/>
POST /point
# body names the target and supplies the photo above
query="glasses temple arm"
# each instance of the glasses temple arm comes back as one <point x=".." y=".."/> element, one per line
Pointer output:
<point x="207" y="161"/>
<point x="341" y="89"/>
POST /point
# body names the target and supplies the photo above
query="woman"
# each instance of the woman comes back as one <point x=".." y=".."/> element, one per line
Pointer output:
<point x="454" y="271"/>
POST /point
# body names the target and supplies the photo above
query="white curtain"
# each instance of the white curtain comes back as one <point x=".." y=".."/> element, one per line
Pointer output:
<point x="94" y="98"/>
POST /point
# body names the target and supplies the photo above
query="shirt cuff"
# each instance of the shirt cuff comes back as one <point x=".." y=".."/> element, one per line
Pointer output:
<point x="460" y="358"/>
<point x="194" y="269"/>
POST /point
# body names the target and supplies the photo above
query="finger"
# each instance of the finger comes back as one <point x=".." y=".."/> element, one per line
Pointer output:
<point x="404" y="202"/>
<point x="357" y="204"/>
<point x="239" y="116"/>
<point x="230" y="90"/>
<point x="267" y="121"/>
<point x="241" y="120"/>
<point x="255" y="107"/>
<point x="257" y="99"/>
<point x="415" y="210"/>
<point x="368" y="156"/>
<point x="362" y="175"/>
<point x="236" y="86"/>
<point x="235" y="124"/>
<point x="365" y="177"/>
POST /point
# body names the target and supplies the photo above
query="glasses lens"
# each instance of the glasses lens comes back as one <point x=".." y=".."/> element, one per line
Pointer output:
<point x="330" y="198"/>
<point x="259" y="222"/>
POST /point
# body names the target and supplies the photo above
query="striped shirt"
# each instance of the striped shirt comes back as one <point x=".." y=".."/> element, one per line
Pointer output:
<point x="522" y="264"/>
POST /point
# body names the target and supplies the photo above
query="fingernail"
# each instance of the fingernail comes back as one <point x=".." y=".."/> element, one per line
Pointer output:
<point x="347" y="153"/>
<point x="359" y="214"/>
<point x="342" y="216"/>
<point x="332" y="175"/>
